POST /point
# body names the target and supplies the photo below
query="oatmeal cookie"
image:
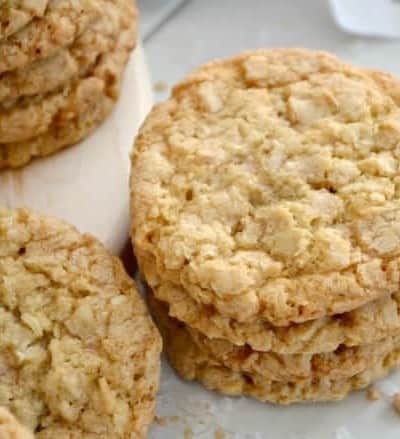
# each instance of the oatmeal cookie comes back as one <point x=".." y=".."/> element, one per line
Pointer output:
<point x="268" y="187"/>
<point x="86" y="104"/>
<point x="71" y="62"/>
<point x="62" y="23"/>
<point x="192" y="363"/>
<point x="79" y="353"/>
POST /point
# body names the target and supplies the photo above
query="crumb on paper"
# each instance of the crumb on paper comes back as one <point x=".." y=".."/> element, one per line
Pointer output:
<point x="219" y="433"/>
<point x="161" y="420"/>
<point x="174" y="419"/>
<point x="373" y="394"/>
<point x="188" y="433"/>
<point x="160" y="86"/>
<point x="396" y="402"/>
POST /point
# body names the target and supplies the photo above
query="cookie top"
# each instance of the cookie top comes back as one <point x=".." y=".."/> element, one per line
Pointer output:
<point x="10" y="428"/>
<point x="268" y="186"/>
<point x="62" y="23"/>
<point x="15" y="14"/>
<point x="75" y="334"/>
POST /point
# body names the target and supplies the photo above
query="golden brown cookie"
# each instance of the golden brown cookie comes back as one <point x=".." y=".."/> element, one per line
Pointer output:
<point x="82" y="107"/>
<point x="267" y="187"/>
<point x="62" y="23"/>
<point x="15" y="14"/>
<point x="365" y="325"/>
<point x="69" y="63"/>
<point x="10" y="428"/>
<point x="75" y="332"/>
<point x="193" y="363"/>
<point x="343" y="362"/>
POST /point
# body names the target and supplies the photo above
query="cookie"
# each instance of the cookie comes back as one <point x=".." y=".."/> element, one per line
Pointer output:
<point x="63" y="22"/>
<point x="75" y="111"/>
<point x="15" y="14"/>
<point x="10" y="428"/>
<point x="267" y="187"/>
<point x="365" y="325"/>
<point x="341" y="363"/>
<point x="71" y="62"/>
<point x="75" y="332"/>
<point x="192" y="363"/>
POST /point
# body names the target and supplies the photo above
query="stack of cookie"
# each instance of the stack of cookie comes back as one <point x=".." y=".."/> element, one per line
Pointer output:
<point x="61" y="63"/>
<point x="265" y="198"/>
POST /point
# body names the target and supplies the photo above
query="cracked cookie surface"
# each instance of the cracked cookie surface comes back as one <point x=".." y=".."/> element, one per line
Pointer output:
<point x="15" y="14"/>
<point x="79" y="353"/>
<point x="268" y="187"/>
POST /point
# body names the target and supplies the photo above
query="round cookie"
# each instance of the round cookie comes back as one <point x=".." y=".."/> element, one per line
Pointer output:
<point x="71" y="62"/>
<point x="194" y="364"/>
<point x="342" y="363"/>
<point x="10" y="428"/>
<point x="63" y="22"/>
<point x="82" y="107"/>
<point x="268" y="187"/>
<point x="75" y="331"/>
<point x="367" y="324"/>
<point x="15" y="14"/>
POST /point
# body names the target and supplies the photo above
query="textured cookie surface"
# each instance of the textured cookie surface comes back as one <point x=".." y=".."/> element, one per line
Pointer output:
<point x="344" y="362"/>
<point x="192" y="363"/>
<point x="15" y="14"/>
<point x="71" y="62"/>
<point x="78" y="352"/>
<point x="75" y="111"/>
<point x="10" y="428"/>
<point x="63" y="22"/>
<point x="367" y="324"/>
<point x="268" y="186"/>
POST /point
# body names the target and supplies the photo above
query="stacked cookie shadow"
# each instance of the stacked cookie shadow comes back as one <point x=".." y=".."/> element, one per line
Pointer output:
<point x="266" y="223"/>
<point x="61" y="63"/>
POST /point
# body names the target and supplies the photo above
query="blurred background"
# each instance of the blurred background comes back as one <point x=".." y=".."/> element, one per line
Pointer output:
<point x="179" y="35"/>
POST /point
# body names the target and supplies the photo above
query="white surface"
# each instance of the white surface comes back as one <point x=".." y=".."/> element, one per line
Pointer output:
<point x="87" y="184"/>
<point x="203" y="30"/>
<point x="368" y="17"/>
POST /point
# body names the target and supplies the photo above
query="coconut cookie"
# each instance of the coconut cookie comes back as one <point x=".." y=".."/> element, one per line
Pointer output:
<point x="10" y="428"/>
<point x="267" y="187"/>
<point x="193" y="363"/>
<point x="15" y="14"/>
<point x="71" y="62"/>
<point x="62" y="23"/>
<point x="82" y="107"/>
<point x="75" y="332"/>
<point x="367" y="324"/>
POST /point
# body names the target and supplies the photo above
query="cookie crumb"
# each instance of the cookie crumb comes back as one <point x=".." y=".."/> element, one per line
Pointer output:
<point x="175" y="419"/>
<point x="396" y="402"/>
<point x="219" y="433"/>
<point x="373" y="394"/>
<point x="161" y="420"/>
<point x="160" y="86"/>
<point x="188" y="433"/>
